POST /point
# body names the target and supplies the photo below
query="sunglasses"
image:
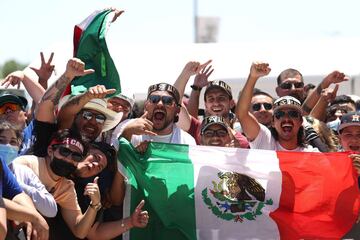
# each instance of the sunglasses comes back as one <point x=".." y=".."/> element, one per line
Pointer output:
<point x="218" y="133"/>
<point x="99" y="118"/>
<point x="66" y="152"/>
<point x="289" y="85"/>
<point x="12" y="106"/>
<point x="291" y="114"/>
<point x="257" y="106"/>
<point x="166" y="100"/>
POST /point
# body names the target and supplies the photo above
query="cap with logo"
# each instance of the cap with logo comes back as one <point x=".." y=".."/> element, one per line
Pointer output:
<point x="287" y="102"/>
<point x="219" y="84"/>
<point x="349" y="119"/>
<point x="165" y="87"/>
<point x="210" y="120"/>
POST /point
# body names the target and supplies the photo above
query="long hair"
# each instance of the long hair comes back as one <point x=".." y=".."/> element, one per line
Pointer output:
<point x="326" y="135"/>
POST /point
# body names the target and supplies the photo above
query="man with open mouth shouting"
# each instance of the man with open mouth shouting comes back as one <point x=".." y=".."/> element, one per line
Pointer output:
<point x="161" y="113"/>
<point x="286" y="132"/>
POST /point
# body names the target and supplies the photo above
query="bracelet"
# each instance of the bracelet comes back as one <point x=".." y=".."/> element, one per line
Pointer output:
<point x="196" y="88"/>
<point x="96" y="207"/>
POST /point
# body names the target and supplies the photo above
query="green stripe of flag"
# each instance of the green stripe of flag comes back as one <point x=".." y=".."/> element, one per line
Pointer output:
<point x="168" y="189"/>
<point x="94" y="53"/>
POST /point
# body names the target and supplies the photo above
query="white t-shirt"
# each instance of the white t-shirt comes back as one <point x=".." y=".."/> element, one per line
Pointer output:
<point x="264" y="140"/>
<point x="177" y="136"/>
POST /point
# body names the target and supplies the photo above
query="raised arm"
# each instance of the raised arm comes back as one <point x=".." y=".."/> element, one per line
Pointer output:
<point x="327" y="95"/>
<point x="200" y="81"/>
<point x="34" y="89"/>
<point x="80" y="224"/>
<point x="190" y="69"/>
<point x="45" y="109"/>
<point x="68" y="112"/>
<point x="313" y="98"/>
<point x="249" y="124"/>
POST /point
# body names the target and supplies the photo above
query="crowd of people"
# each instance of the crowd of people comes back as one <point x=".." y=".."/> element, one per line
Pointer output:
<point x="60" y="175"/>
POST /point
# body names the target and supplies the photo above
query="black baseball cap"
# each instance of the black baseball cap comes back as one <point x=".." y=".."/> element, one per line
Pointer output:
<point x="210" y="120"/>
<point x="219" y="84"/>
<point x="8" y="97"/>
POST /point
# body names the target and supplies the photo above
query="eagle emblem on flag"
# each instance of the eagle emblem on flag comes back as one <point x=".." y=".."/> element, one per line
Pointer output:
<point x="236" y="197"/>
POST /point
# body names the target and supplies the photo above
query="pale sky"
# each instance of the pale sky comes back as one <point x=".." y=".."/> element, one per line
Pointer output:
<point x="29" y="26"/>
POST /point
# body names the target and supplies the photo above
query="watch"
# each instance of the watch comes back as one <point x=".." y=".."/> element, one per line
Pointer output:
<point x="96" y="207"/>
<point x="196" y="88"/>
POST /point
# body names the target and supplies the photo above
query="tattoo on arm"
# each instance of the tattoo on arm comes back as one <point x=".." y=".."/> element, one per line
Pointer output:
<point x="74" y="101"/>
<point x="54" y="92"/>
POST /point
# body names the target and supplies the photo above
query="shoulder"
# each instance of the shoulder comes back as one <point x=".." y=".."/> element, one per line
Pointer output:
<point x="30" y="161"/>
<point x="185" y="138"/>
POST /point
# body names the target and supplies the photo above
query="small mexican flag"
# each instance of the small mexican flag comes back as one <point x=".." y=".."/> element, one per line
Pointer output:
<point x="90" y="46"/>
<point x="199" y="192"/>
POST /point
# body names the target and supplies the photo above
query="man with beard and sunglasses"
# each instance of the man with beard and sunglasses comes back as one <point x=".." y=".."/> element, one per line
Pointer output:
<point x="161" y="110"/>
<point x="286" y="133"/>
<point x="64" y="153"/>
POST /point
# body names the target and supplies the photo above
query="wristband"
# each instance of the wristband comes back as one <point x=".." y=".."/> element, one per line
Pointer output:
<point x="96" y="207"/>
<point x="196" y="88"/>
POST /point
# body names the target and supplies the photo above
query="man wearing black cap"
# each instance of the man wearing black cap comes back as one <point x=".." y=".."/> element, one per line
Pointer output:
<point x="286" y="133"/>
<point x="215" y="132"/>
<point x="161" y="109"/>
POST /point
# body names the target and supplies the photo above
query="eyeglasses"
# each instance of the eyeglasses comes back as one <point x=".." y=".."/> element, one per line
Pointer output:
<point x="99" y="118"/>
<point x="166" y="100"/>
<point x="212" y="133"/>
<point x="257" y="106"/>
<point x="291" y="114"/>
<point x="66" y="152"/>
<point x="289" y="85"/>
<point x="12" y="106"/>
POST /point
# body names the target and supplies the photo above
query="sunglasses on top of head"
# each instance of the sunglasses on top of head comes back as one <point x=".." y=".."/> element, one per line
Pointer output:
<point x="166" y="100"/>
<point x="289" y="85"/>
<point x="99" y="118"/>
<point x="291" y="114"/>
<point x="12" y="106"/>
<point x="66" y="152"/>
<point x="257" y="106"/>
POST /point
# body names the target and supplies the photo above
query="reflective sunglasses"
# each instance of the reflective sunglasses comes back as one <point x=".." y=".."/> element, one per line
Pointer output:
<point x="66" y="152"/>
<point x="212" y="133"/>
<point x="99" y="118"/>
<point x="166" y="100"/>
<point x="12" y="106"/>
<point x="291" y="114"/>
<point x="257" y="106"/>
<point x="289" y="85"/>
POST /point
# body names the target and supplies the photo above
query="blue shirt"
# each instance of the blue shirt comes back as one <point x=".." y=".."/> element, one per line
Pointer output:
<point x="28" y="138"/>
<point x="10" y="187"/>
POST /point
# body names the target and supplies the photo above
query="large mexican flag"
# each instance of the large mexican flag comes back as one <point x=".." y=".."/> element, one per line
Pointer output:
<point x="199" y="192"/>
